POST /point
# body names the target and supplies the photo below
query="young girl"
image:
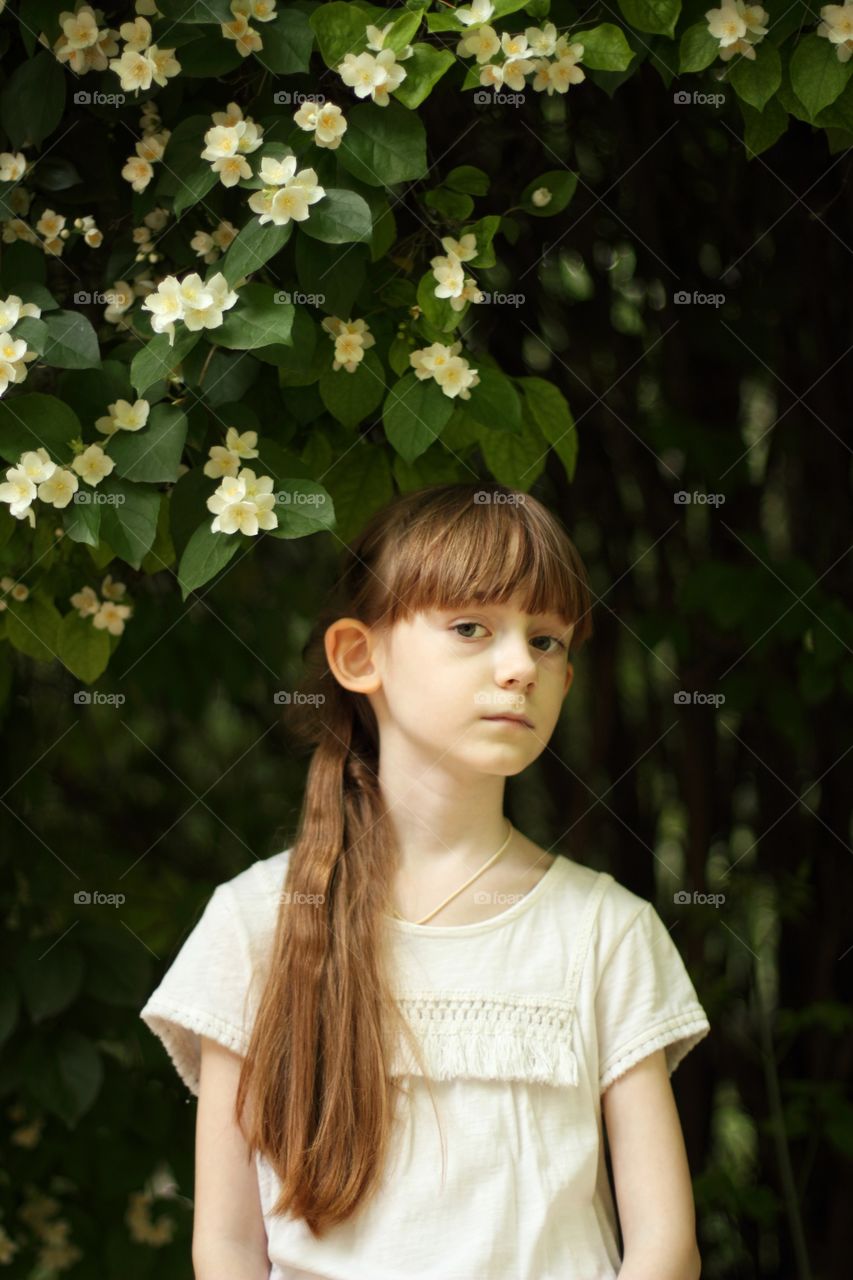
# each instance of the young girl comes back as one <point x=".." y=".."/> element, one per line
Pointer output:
<point x="408" y="1030"/>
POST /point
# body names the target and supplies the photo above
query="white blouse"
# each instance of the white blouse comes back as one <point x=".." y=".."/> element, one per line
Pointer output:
<point x="524" y="1019"/>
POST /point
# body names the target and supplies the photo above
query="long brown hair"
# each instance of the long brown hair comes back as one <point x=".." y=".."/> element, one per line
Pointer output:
<point x="319" y="1051"/>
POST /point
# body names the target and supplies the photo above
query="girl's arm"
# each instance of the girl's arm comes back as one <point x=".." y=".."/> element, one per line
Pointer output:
<point x="229" y="1237"/>
<point x="651" y="1175"/>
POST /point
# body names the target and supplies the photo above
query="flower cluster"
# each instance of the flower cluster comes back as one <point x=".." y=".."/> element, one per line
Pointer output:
<point x="246" y="38"/>
<point x="209" y="245"/>
<point x="83" y="44"/>
<point x="90" y="232"/>
<point x="231" y="138"/>
<point x="450" y="370"/>
<point x="138" y="170"/>
<point x="199" y="305"/>
<point x="36" y="475"/>
<point x="14" y="356"/>
<point x="141" y="62"/>
<point x="121" y="415"/>
<point x="450" y="273"/>
<point x="224" y="460"/>
<point x="243" y="502"/>
<point x="553" y="58"/>
<point x="325" y="120"/>
<point x="378" y="73"/>
<point x="153" y="222"/>
<point x="287" y="194"/>
<point x="738" y="27"/>
<point x="351" y="339"/>
<point x="13" y="166"/>
<point x="106" y="614"/>
<point x="17" y="590"/>
<point x="837" y="27"/>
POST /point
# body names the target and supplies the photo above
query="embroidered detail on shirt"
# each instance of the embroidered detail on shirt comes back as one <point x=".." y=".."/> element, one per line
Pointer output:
<point x="489" y="1036"/>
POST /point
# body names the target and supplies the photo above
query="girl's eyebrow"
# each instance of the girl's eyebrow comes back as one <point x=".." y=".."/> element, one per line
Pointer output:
<point x="477" y="606"/>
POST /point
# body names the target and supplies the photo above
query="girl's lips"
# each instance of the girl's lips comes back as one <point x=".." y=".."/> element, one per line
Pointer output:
<point x="522" y="723"/>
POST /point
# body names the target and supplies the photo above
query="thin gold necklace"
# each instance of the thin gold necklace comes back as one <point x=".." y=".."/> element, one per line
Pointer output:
<point x="456" y="892"/>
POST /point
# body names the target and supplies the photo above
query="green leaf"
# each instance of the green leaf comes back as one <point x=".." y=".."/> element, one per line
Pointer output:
<point x="468" y="179"/>
<point x="200" y="11"/>
<point x="260" y="318"/>
<point x="288" y="41"/>
<point x="516" y="459"/>
<point x="83" y="649"/>
<point x="33" y="421"/>
<point x="697" y="48"/>
<point x="495" y="402"/>
<point x="82" y="520"/>
<point x="756" y="81"/>
<point x="299" y="364"/>
<point x="51" y="981"/>
<point x="72" y="342"/>
<point x="205" y="555"/>
<point x="340" y="29"/>
<point x="817" y="77"/>
<point x="253" y="247"/>
<point x="182" y="158"/>
<point x="424" y="69"/>
<point x="157" y="360"/>
<point x="341" y="217"/>
<point x="350" y="397"/>
<point x="438" y="311"/>
<point x="550" y="411"/>
<point x="604" y="47"/>
<point x="67" y="1080"/>
<point x="383" y="145"/>
<point x="33" y="100"/>
<point x="484" y="232"/>
<point x="154" y="453"/>
<point x="32" y="626"/>
<point x="209" y="55"/>
<point x="655" y="16"/>
<point x="303" y="507"/>
<point x="404" y="28"/>
<point x="763" y="128"/>
<point x="453" y="206"/>
<point x="162" y="553"/>
<point x="128" y="518"/>
<point x="361" y="487"/>
<point x="562" y="184"/>
<point x="414" y="414"/>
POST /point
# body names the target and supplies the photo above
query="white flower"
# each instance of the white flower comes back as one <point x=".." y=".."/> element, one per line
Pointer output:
<point x="226" y="461"/>
<point x="137" y="172"/>
<point x="464" y="249"/>
<point x="13" y="308"/>
<point x="560" y="74"/>
<point x="37" y="465"/>
<point x="134" y="70"/>
<point x="542" y="41"/>
<point x="482" y="43"/>
<point x="476" y="14"/>
<point x="373" y="76"/>
<point x="50" y="224"/>
<point x="121" y="298"/>
<point x="243" y="502"/>
<point x="541" y="196"/>
<point x="110" y="617"/>
<point x="740" y="48"/>
<point x="351" y="339"/>
<point x="93" y="464"/>
<point x="80" y="29"/>
<point x="124" y="416"/>
<point x="14" y="358"/>
<point x="12" y="166"/>
<point x="837" y="27"/>
<point x="450" y="370"/>
<point x="470" y="293"/>
<point x="450" y="275"/>
<point x="243" y="444"/>
<point x="112" y="590"/>
<point x="376" y="40"/>
<point x="231" y="169"/>
<point x="225" y="140"/>
<point x="289" y="194"/>
<point x="326" y="122"/>
<point x="18" y="491"/>
<point x="85" y="601"/>
<point x="204" y="303"/>
<point x="136" y="34"/>
<point x="59" y="488"/>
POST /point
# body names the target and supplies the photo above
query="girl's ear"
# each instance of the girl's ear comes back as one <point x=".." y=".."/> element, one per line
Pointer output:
<point x="349" y="646"/>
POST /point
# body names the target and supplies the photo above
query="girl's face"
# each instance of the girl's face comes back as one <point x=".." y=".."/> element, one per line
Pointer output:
<point x="445" y="676"/>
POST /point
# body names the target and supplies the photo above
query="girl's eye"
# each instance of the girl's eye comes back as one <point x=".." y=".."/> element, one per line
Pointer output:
<point x="559" y="643"/>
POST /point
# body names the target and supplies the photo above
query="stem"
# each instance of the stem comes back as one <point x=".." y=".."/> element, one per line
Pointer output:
<point x="207" y="360"/>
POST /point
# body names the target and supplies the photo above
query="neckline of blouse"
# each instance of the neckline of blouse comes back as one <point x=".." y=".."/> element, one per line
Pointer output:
<point x="480" y="926"/>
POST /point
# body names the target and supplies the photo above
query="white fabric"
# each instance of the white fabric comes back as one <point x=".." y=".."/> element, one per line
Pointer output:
<point x="524" y="1020"/>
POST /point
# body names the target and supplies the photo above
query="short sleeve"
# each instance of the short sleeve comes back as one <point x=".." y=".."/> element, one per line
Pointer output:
<point x="205" y="990"/>
<point x="645" y="1001"/>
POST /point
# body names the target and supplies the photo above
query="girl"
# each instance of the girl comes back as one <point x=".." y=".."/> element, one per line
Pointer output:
<point x="408" y="1031"/>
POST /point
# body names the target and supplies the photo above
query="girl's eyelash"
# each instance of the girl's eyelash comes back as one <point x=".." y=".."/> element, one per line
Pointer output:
<point x="559" y="642"/>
